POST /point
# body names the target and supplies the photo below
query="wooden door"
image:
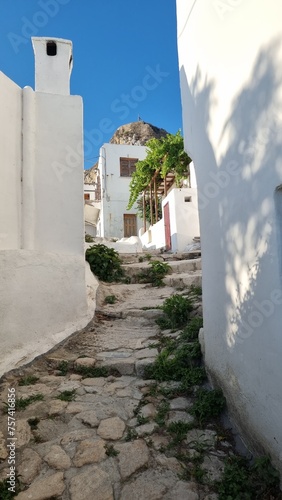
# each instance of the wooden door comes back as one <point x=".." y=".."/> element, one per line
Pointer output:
<point x="167" y="227"/>
<point x="130" y="225"/>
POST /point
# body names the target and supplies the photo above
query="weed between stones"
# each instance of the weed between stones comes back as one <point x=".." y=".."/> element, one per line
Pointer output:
<point x="67" y="395"/>
<point x="23" y="403"/>
<point x="28" y="380"/>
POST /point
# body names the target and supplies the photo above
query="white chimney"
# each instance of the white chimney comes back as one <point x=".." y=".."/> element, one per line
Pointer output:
<point x="53" y="65"/>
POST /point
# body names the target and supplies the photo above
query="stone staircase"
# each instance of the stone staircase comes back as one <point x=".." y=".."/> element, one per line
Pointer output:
<point x="183" y="273"/>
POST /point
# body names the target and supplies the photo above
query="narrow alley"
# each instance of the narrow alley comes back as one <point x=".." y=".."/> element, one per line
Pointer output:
<point x="99" y="418"/>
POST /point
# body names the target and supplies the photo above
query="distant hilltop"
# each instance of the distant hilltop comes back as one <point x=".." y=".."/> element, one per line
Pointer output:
<point x="134" y="134"/>
<point x="137" y="133"/>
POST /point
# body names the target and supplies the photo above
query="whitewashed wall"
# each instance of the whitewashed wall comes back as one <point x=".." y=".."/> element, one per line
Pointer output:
<point x="115" y="189"/>
<point x="184" y="218"/>
<point x="230" y="58"/>
<point x="10" y="163"/>
<point x="43" y="293"/>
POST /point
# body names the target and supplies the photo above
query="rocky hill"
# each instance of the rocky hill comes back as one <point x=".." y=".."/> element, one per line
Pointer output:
<point x="136" y="134"/>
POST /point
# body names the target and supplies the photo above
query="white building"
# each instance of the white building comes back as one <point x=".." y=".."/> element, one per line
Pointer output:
<point x="42" y="282"/>
<point x="230" y="57"/>
<point x="92" y="207"/>
<point x="116" y="165"/>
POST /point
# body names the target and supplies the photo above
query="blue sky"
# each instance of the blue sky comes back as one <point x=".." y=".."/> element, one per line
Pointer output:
<point x="125" y="58"/>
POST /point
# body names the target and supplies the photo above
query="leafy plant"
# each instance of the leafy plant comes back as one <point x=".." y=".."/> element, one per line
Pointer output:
<point x="155" y="273"/>
<point x="67" y="395"/>
<point x="141" y="420"/>
<point x="177" y="309"/>
<point x="179" y="431"/>
<point x="28" y="380"/>
<point x="163" y="156"/>
<point x="110" y="451"/>
<point x="140" y="208"/>
<point x="131" y="434"/>
<point x="208" y="404"/>
<point x="23" y="403"/>
<point x="191" y="331"/>
<point x="104" y="262"/>
<point x="162" y="412"/>
<point x="196" y="290"/>
<point x="63" y="367"/>
<point x="177" y="366"/>
<point x="259" y="481"/>
<point x="110" y="299"/>
<point x="158" y="271"/>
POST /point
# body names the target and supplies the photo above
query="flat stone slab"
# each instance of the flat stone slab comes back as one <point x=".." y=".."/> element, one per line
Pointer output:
<point x="30" y="466"/>
<point x="179" y="416"/>
<point x="125" y="366"/>
<point x="180" y="404"/>
<point x="41" y="489"/>
<point x="85" y="362"/>
<point x="92" y="484"/>
<point x="146" y="353"/>
<point x="150" y="485"/>
<point x="141" y="365"/>
<point x="89" y="451"/>
<point x="205" y="437"/>
<point x="111" y="428"/>
<point x="132" y="456"/>
<point x="57" y="458"/>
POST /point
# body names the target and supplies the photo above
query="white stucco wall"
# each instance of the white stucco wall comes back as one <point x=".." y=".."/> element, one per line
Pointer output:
<point x="60" y="228"/>
<point x="43" y="292"/>
<point x="10" y="164"/>
<point x="231" y="84"/>
<point x="184" y="218"/>
<point x="115" y="189"/>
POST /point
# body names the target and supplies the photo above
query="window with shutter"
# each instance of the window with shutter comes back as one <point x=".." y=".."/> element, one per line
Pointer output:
<point x="127" y="166"/>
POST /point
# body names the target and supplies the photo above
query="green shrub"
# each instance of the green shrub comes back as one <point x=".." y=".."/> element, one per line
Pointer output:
<point x="158" y="271"/>
<point x="208" y="404"/>
<point x="110" y="299"/>
<point x="191" y="331"/>
<point x="177" y="309"/>
<point x="104" y="262"/>
<point x="242" y="481"/>
<point x="154" y="274"/>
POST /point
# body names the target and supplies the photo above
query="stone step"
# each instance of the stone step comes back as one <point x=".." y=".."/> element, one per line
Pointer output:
<point x="180" y="266"/>
<point x="184" y="280"/>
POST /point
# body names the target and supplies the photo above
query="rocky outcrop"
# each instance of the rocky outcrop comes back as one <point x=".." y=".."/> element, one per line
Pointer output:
<point x="137" y="133"/>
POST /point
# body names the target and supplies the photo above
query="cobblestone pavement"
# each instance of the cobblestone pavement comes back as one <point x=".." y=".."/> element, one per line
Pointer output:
<point x="98" y="438"/>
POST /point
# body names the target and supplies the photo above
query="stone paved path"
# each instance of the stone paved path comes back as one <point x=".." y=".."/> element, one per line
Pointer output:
<point x="104" y="443"/>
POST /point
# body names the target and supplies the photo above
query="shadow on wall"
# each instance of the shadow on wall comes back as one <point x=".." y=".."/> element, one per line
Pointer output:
<point x="238" y="218"/>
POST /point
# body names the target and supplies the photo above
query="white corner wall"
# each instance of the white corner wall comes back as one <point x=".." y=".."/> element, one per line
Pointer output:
<point x="10" y="164"/>
<point x="230" y="58"/>
<point x="43" y="291"/>
<point x="184" y="217"/>
<point x="115" y="189"/>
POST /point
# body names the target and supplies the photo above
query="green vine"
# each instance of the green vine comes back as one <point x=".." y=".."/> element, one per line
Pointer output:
<point x="164" y="155"/>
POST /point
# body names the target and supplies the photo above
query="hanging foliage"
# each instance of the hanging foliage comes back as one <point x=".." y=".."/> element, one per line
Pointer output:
<point x="164" y="155"/>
